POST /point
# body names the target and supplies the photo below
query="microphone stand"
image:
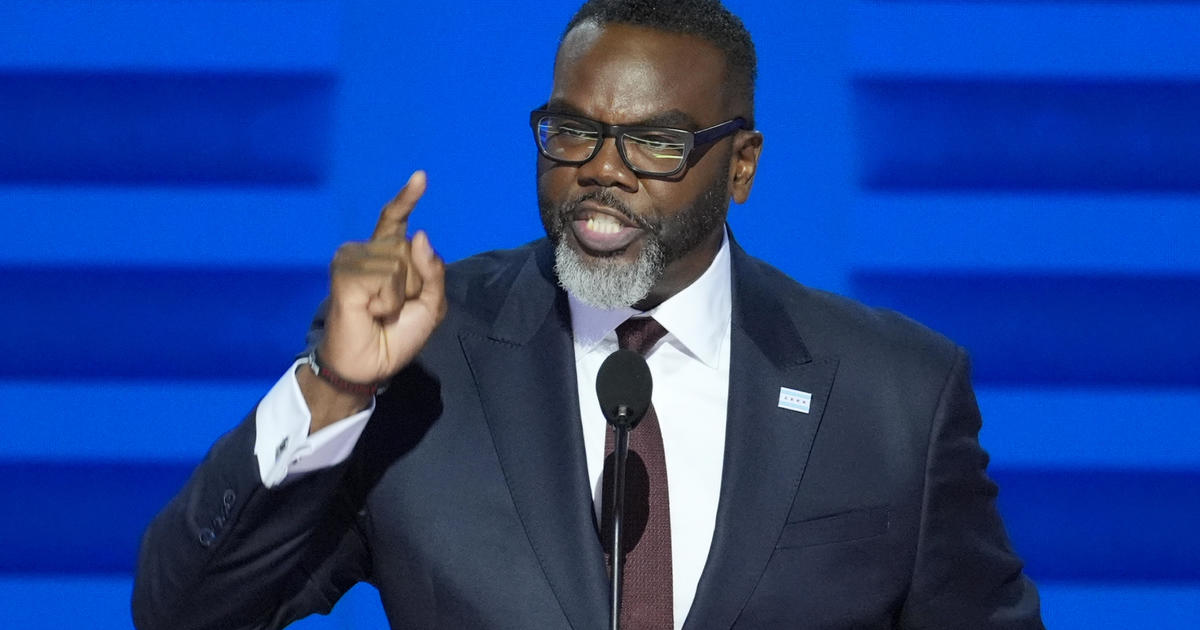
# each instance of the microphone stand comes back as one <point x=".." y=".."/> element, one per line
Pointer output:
<point x="616" y="552"/>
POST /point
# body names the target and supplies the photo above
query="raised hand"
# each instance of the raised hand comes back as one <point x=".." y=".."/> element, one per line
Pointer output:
<point x="386" y="297"/>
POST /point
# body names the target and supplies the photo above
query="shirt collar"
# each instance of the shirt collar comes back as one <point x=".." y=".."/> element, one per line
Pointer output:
<point x="697" y="317"/>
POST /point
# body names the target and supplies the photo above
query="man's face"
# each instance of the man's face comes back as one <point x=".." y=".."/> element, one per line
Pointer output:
<point x="624" y="239"/>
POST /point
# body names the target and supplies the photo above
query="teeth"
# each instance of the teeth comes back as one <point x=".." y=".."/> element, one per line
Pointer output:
<point x="603" y="224"/>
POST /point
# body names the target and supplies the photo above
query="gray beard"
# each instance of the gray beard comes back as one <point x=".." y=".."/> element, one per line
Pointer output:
<point x="609" y="283"/>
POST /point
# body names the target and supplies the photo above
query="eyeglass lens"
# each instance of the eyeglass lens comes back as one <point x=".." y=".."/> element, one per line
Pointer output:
<point x="647" y="150"/>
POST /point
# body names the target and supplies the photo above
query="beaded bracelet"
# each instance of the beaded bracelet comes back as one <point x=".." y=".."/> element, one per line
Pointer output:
<point x="341" y="384"/>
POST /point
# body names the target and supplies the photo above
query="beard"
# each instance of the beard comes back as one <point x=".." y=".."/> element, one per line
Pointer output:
<point x="610" y="282"/>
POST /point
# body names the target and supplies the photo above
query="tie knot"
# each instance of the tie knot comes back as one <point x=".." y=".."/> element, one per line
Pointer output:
<point x="639" y="334"/>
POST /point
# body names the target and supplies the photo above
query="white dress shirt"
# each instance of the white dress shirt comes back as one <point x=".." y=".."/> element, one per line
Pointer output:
<point x="282" y="444"/>
<point x="690" y="367"/>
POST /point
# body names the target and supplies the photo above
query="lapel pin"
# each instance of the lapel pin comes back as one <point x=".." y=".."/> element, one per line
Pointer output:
<point x="794" y="400"/>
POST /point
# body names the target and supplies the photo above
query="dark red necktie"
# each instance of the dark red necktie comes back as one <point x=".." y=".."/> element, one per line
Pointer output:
<point x="646" y="596"/>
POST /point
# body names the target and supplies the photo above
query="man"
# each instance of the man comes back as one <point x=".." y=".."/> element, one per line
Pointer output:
<point x="820" y="458"/>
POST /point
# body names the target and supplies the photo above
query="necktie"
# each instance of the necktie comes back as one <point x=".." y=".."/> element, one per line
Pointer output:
<point x="646" y="599"/>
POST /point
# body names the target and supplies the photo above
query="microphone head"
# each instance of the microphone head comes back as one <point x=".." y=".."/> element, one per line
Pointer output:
<point x="623" y="386"/>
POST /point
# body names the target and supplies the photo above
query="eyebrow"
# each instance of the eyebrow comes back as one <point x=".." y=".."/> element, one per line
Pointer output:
<point x="670" y="118"/>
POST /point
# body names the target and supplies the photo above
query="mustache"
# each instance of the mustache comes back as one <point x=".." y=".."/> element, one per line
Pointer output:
<point x="606" y="198"/>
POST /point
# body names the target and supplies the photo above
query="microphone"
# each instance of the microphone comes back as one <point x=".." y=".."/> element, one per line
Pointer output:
<point x="623" y="386"/>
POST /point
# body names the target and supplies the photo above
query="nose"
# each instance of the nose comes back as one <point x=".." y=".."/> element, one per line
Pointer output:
<point x="608" y="169"/>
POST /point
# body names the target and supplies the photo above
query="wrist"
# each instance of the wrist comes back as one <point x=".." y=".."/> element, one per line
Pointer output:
<point x="326" y="404"/>
<point x="339" y="382"/>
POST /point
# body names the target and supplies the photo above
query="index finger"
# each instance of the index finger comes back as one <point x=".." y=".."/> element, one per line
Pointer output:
<point x="393" y="219"/>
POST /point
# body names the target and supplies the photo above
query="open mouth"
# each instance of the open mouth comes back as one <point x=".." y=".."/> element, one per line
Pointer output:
<point x="601" y="230"/>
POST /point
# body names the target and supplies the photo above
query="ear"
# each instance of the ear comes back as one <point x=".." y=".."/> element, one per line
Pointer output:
<point x="747" y="147"/>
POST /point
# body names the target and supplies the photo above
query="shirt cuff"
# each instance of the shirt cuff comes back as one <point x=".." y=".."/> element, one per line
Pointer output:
<point x="282" y="444"/>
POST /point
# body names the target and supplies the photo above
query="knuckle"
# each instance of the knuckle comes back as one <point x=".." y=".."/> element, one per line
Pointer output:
<point x="346" y="254"/>
<point x="349" y="248"/>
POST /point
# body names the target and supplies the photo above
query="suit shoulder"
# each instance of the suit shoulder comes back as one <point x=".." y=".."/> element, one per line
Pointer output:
<point x="496" y="260"/>
<point x="478" y="285"/>
<point x="832" y="324"/>
<point x="490" y="267"/>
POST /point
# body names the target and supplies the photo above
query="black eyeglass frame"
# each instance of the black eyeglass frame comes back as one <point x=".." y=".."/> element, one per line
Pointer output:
<point x="692" y="139"/>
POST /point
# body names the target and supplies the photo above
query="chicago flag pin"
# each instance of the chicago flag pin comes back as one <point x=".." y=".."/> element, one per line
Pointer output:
<point x="794" y="400"/>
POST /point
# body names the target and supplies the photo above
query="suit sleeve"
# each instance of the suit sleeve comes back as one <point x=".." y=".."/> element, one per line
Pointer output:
<point x="966" y="574"/>
<point x="229" y="553"/>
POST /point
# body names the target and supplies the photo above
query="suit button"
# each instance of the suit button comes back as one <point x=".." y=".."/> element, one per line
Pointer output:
<point x="218" y="522"/>
<point x="228" y="500"/>
<point x="207" y="536"/>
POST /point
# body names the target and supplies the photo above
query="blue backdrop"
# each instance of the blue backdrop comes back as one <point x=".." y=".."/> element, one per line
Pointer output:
<point x="174" y="177"/>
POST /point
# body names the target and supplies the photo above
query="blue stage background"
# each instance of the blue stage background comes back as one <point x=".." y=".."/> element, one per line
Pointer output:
<point x="174" y="177"/>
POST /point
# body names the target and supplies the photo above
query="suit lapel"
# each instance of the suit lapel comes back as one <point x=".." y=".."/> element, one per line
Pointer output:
<point x="766" y="447"/>
<point x="524" y="369"/>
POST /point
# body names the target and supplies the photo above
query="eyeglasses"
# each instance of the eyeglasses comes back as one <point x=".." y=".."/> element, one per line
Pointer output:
<point x="658" y="151"/>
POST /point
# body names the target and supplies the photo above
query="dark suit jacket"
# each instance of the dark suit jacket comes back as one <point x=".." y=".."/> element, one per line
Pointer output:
<point x="467" y="501"/>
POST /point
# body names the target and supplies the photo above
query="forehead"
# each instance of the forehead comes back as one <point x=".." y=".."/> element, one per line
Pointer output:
<point x="621" y="73"/>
